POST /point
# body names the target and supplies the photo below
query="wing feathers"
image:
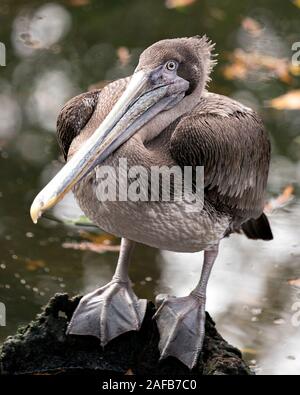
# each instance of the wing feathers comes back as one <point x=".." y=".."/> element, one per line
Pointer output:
<point x="74" y="116"/>
<point x="235" y="152"/>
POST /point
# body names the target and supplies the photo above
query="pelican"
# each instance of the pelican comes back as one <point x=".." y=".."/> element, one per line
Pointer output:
<point x="162" y="115"/>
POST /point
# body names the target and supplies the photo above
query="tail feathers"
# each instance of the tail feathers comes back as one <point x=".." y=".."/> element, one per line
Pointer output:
<point x="258" y="228"/>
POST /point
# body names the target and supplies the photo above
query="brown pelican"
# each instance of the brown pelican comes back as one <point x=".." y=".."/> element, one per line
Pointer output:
<point x="163" y="115"/>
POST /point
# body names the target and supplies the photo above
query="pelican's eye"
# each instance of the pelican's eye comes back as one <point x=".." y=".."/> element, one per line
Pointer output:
<point x="171" y="65"/>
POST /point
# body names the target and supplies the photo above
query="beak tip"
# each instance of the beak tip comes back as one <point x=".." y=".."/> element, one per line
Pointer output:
<point x="34" y="217"/>
<point x="35" y="212"/>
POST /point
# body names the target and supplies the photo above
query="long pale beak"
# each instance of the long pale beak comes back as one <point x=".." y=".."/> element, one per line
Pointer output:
<point x="138" y="104"/>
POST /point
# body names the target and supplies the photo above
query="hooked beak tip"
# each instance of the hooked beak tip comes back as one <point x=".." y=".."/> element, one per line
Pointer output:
<point x="35" y="211"/>
<point x="34" y="214"/>
<point x="40" y="204"/>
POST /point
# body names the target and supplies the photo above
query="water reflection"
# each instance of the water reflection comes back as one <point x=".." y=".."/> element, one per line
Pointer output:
<point x="58" y="49"/>
<point x="249" y="295"/>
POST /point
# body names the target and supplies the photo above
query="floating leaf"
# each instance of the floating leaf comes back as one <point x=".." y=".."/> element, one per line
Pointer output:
<point x="280" y="201"/>
<point x="103" y="238"/>
<point x="289" y="101"/>
<point x="33" y="265"/>
<point x="178" y="3"/>
<point x="100" y="243"/>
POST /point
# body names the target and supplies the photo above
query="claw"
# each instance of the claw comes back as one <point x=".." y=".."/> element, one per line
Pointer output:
<point x="108" y="312"/>
<point x="180" y="323"/>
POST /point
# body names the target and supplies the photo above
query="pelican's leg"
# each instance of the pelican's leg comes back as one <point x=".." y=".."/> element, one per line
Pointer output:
<point x="113" y="309"/>
<point x="181" y="321"/>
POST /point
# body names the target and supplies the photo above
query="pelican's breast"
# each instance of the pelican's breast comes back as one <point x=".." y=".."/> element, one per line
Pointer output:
<point x="175" y="225"/>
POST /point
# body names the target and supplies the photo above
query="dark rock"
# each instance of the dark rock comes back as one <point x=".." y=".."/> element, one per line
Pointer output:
<point x="43" y="347"/>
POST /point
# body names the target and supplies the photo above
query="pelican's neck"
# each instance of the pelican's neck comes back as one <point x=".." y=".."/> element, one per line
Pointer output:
<point x="161" y="121"/>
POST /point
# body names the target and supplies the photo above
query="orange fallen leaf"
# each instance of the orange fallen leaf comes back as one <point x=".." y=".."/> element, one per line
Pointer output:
<point x="295" y="282"/>
<point x="288" y="101"/>
<point x="32" y="264"/>
<point x="178" y="3"/>
<point x="282" y="200"/>
<point x="103" y="238"/>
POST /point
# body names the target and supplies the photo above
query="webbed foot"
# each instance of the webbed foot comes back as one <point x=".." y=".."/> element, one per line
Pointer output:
<point x="108" y="312"/>
<point x="181" y="324"/>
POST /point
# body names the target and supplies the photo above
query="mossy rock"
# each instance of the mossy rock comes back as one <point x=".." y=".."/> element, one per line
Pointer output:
<point x="43" y="347"/>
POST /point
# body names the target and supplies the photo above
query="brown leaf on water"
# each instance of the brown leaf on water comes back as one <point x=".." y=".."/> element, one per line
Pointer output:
<point x="243" y="63"/>
<point x="103" y="238"/>
<point x="88" y="246"/>
<point x="99" y="243"/>
<point x="178" y="3"/>
<point x="288" y="101"/>
<point x="295" y="282"/>
<point x="33" y="265"/>
<point x="123" y="56"/>
<point x="253" y="27"/>
<point x="280" y="201"/>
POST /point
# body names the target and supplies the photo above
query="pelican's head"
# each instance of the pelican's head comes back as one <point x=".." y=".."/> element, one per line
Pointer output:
<point x="187" y="58"/>
<point x="167" y="71"/>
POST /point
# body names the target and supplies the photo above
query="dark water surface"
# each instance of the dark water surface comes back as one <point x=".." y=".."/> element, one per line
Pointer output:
<point x="60" y="48"/>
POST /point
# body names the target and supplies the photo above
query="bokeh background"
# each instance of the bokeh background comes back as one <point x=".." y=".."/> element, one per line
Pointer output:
<point x="58" y="49"/>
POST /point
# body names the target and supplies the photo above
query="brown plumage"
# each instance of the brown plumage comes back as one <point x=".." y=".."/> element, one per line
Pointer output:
<point x="220" y="135"/>
<point x="186" y="126"/>
<point x="73" y="118"/>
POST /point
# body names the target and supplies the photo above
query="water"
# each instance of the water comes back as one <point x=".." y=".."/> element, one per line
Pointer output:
<point x="56" y="50"/>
